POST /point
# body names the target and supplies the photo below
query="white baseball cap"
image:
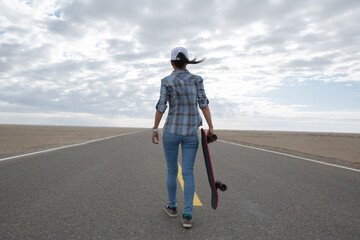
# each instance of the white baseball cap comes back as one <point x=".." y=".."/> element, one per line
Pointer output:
<point x="178" y="50"/>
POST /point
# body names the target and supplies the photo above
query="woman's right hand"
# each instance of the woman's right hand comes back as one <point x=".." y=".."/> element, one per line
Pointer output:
<point x="210" y="131"/>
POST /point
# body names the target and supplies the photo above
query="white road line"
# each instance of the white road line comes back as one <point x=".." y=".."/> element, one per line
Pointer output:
<point x="293" y="156"/>
<point x="68" y="146"/>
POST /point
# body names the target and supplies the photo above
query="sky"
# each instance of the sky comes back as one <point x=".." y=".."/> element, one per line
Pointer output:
<point x="270" y="65"/>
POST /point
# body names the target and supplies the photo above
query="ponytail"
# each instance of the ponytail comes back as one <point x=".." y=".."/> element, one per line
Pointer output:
<point x="183" y="60"/>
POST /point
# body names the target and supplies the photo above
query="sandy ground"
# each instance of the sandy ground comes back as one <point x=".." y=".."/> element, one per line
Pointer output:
<point x="343" y="149"/>
<point x="338" y="148"/>
<point x="19" y="139"/>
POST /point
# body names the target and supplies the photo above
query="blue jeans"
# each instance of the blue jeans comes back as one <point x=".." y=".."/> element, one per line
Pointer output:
<point x="189" y="146"/>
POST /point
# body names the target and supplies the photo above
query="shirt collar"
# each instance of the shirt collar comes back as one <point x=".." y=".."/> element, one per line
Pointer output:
<point x="180" y="71"/>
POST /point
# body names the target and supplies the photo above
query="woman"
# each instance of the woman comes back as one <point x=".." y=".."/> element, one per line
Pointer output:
<point x="184" y="92"/>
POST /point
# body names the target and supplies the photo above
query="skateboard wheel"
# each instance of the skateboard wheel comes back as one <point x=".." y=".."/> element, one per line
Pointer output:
<point x="211" y="138"/>
<point x="221" y="186"/>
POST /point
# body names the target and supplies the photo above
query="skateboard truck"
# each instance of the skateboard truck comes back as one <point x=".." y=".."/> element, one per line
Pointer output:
<point x="221" y="186"/>
<point x="211" y="138"/>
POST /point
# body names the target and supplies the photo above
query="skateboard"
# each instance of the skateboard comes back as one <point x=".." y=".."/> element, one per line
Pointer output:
<point x="214" y="185"/>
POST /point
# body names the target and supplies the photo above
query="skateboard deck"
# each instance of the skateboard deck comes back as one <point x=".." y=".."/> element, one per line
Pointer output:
<point x="214" y="185"/>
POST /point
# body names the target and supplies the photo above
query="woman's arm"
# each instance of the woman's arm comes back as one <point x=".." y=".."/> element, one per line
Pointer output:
<point x="155" y="135"/>
<point x="207" y="115"/>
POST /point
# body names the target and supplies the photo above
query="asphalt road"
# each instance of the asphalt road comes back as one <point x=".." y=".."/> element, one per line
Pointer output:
<point x="115" y="189"/>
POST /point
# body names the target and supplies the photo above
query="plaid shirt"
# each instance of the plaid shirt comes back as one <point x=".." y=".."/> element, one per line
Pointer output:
<point x="184" y="92"/>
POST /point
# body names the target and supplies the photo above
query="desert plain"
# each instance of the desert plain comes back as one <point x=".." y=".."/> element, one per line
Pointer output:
<point x="21" y="139"/>
<point x="338" y="148"/>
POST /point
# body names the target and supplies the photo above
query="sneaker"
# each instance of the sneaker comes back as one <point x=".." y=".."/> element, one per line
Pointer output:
<point x="186" y="220"/>
<point x="171" y="211"/>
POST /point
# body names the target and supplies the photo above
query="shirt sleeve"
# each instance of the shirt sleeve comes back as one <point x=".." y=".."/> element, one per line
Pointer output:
<point x="164" y="98"/>
<point x="201" y="96"/>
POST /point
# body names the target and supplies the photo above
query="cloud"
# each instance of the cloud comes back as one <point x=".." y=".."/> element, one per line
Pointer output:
<point x="107" y="58"/>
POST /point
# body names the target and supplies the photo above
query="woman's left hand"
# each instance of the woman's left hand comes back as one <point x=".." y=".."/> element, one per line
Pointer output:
<point x="155" y="137"/>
